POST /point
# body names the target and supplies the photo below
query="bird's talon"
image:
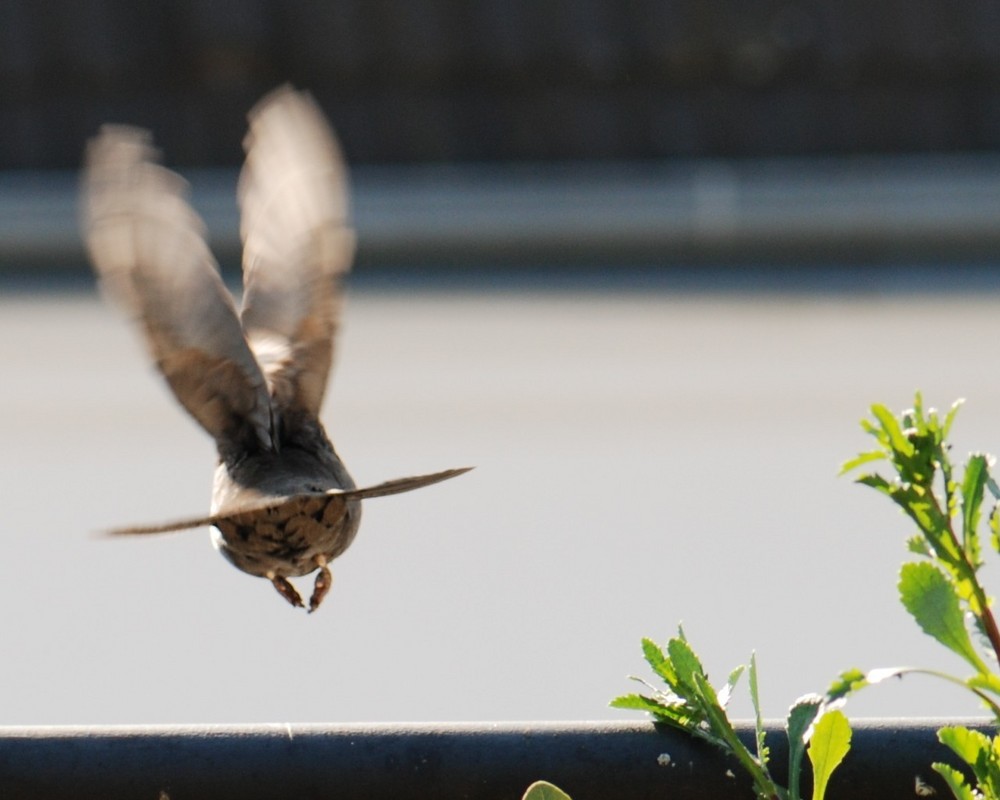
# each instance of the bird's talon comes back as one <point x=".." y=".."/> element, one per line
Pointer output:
<point x="324" y="580"/>
<point x="286" y="590"/>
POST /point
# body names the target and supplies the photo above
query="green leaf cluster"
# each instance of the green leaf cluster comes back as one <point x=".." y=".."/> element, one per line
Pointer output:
<point x="943" y="592"/>
<point x="981" y="753"/>
<point x="690" y="703"/>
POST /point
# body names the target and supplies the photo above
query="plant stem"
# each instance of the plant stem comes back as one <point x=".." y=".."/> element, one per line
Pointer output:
<point x="985" y="613"/>
<point x="764" y="785"/>
<point x="989" y="622"/>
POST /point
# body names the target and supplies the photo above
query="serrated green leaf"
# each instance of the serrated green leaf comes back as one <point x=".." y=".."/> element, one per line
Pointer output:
<point x="682" y="717"/>
<point x="956" y="781"/>
<point x="973" y="488"/>
<point x="950" y="418"/>
<point x="921" y="506"/>
<point x="969" y="745"/>
<point x="933" y="420"/>
<point x="641" y="702"/>
<point x="918" y="545"/>
<point x="686" y="666"/>
<point x="951" y="498"/>
<point x="543" y="790"/>
<point x="676" y="714"/>
<point x="727" y="691"/>
<point x="977" y="750"/>
<point x="800" y="717"/>
<point x="892" y="430"/>
<point x="658" y="662"/>
<point x="874" y="430"/>
<point x="932" y="600"/>
<point x="846" y="683"/>
<point x="860" y="459"/>
<point x="995" y="527"/>
<point x="876" y="482"/>
<point x="828" y="745"/>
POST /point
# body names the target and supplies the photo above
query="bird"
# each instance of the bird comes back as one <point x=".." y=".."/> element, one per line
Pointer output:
<point x="254" y="377"/>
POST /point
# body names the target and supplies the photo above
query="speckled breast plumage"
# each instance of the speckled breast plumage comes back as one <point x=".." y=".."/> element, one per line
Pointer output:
<point x="288" y="539"/>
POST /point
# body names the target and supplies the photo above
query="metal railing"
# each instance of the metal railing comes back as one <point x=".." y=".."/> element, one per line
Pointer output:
<point x="889" y="759"/>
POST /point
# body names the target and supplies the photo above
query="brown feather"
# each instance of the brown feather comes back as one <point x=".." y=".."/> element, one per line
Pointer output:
<point x="297" y="245"/>
<point x="147" y="245"/>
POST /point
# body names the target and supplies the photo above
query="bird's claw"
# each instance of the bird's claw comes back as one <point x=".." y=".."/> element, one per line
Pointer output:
<point x="286" y="590"/>
<point x="324" y="580"/>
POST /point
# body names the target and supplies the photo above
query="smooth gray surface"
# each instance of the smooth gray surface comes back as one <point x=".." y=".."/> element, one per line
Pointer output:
<point x="642" y="459"/>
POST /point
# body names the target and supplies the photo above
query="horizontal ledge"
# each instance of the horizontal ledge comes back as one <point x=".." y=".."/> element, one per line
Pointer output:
<point x="490" y="760"/>
<point x="848" y="208"/>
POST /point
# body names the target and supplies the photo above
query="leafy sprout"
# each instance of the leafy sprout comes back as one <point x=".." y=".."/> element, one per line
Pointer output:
<point x="942" y="592"/>
<point x="688" y="702"/>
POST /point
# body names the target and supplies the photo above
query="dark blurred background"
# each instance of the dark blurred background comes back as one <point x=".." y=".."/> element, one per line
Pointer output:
<point x="485" y="81"/>
<point x="539" y="131"/>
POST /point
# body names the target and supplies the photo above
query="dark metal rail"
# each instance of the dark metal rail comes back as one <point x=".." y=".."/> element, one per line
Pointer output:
<point x="889" y="758"/>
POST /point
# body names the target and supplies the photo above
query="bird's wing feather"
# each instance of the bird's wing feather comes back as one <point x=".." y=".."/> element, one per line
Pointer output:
<point x="147" y="245"/>
<point x="165" y="527"/>
<point x="297" y="245"/>
<point x="379" y="490"/>
<point x="400" y="485"/>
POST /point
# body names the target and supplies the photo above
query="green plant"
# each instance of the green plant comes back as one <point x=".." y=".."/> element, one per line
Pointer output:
<point x="543" y="790"/>
<point x="691" y="704"/>
<point x="942" y="590"/>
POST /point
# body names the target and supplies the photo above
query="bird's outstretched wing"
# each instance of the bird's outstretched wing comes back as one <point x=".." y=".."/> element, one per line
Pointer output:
<point x="399" y="485"/>
<point x="147" y="245"/>
<point x="291" y="505"/>
<point x="297" y="245"/>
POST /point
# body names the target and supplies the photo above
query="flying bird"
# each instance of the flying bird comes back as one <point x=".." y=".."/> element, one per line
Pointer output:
<point x="283" y="504"/>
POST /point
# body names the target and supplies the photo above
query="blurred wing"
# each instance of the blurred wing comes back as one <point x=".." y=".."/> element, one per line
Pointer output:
<point x="297" y="245"/>
<point x="282" y="508"/>
<point x="147" y="245"/>
<point x="166" y="527"/>
<point x="400" y="485"/>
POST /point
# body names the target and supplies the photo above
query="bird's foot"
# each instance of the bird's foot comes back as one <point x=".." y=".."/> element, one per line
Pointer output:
<point x="286" y="590"/>
<point x="324" y="580"/>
